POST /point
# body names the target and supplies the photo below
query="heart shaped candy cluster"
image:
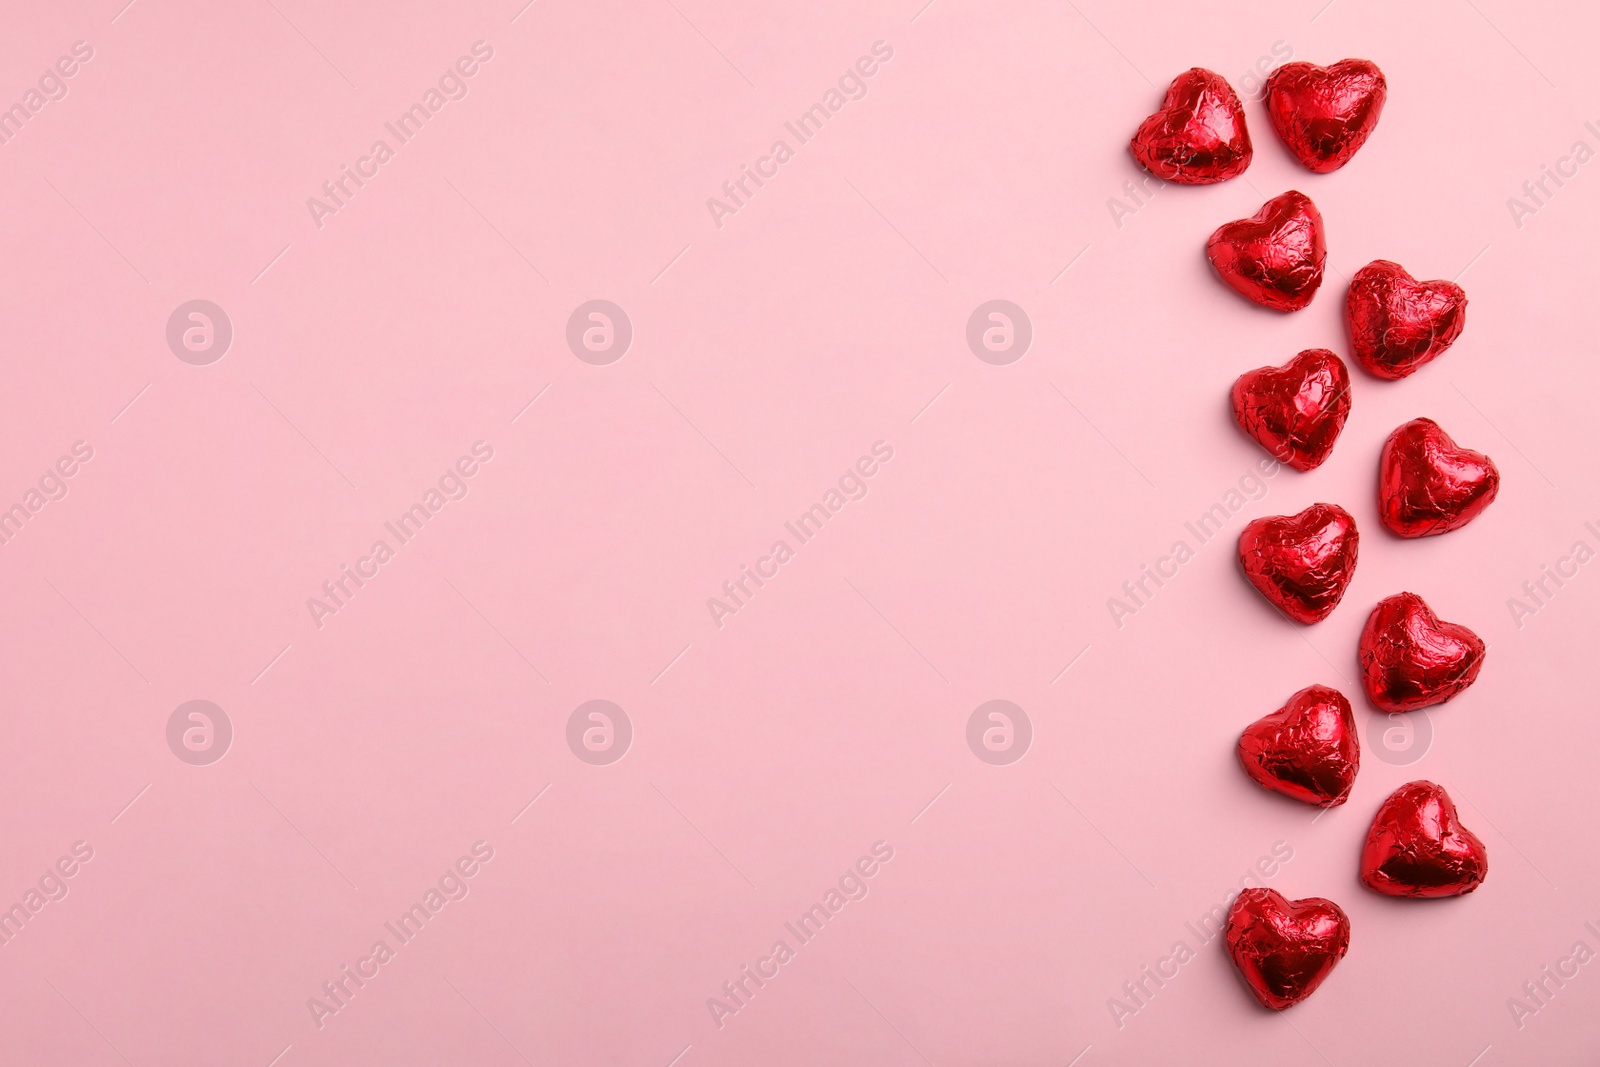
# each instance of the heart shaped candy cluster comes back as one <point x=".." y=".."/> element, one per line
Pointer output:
<point x="1322" y="114"/>
<point x="1302" y="564"/>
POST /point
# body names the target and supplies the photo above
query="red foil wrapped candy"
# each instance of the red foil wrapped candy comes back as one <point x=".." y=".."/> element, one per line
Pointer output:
<point x="1284" y="949"/>
<point x="1427" y="484"/>
<point x="1275" y="257"/>
<point x="1301" y="563"/>
<point x="1199" y="136"/>
<point x="1398" y="323"/>
<point x="1324" y="114"/>
<point x="1307" y="749"/>
<point x="1417" y="847"/>
<point x="1412" y="659"/>
<point x="1295" y="411"/>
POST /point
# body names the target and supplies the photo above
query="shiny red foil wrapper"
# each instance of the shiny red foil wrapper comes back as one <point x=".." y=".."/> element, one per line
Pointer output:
<point x="1427" y="484"/>
<point x="1295" y="411"/>
<point x="1417" y="847"/>
<point x="1275" y="257"/>
<point x="1412" y="659"/>
<point x="1301" y="563"/>
<point x="1198" y="137"/>
<point x="1284" y="949"/>
<point x="1324" y="114"/>
<point x="1308" y="749"/>
<point x="1397" y="323"/>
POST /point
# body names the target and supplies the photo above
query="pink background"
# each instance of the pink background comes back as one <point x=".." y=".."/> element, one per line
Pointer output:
<point x="768" y="355"/>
